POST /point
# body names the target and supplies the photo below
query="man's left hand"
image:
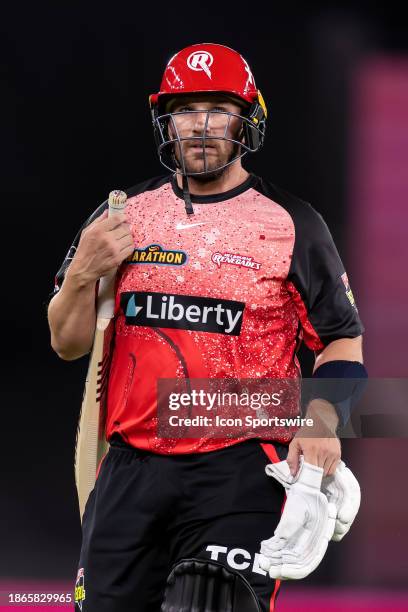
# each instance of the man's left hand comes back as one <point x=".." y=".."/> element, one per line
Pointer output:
<point x="318" y="443"/>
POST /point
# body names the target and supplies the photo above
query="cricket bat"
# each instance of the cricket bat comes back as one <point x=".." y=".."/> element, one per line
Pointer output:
<point x="91" y="444"/>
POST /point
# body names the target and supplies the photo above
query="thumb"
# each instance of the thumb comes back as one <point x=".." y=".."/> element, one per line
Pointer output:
<point x="100" y="218"/>
<point x="293" y="457"/>
<point x="103" y="216"/>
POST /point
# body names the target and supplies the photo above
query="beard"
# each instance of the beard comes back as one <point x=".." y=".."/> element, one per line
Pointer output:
<point x="215" y="168"/>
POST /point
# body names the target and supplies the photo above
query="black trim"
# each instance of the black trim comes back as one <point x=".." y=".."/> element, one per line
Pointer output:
<point x="250" y="182"/>
<point x="149" y="185"/>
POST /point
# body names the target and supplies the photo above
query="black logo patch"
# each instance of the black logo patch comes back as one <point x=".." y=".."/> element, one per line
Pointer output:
<point x="349" y="292"/>
<point x="80" y="588"/>
<point x="156" y="254"/>
<point x="182" y="312"/>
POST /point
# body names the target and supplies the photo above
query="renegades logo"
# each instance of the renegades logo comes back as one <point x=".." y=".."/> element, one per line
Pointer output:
<point x="244" y="261"/>
<point x="150" y="309"/>
<point x="155" y="254"/>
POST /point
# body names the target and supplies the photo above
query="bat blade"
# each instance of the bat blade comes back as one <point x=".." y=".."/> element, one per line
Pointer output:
<point x="91" y="444"/>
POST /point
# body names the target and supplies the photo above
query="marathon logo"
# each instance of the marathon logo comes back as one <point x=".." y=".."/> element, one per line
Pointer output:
<point x="182" y="312"/>
<point x="156" y="254"/>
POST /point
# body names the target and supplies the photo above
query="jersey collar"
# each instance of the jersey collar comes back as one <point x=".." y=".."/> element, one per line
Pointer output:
<point x="216" y="197"/>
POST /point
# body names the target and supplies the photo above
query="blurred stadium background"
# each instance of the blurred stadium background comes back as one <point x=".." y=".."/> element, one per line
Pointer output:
<point x="76" y="124"/>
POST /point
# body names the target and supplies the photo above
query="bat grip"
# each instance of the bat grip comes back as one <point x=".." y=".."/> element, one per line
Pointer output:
<point x="106" y="290"/>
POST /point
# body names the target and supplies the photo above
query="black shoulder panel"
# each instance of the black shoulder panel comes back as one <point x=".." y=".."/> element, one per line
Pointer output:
<point x="316" y="280"/>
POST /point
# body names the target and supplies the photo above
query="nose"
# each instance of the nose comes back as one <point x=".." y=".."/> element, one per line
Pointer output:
<point x="201" y="122"/>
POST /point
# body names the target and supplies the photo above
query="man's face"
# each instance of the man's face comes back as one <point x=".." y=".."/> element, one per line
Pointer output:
<point x="215" y="126"/>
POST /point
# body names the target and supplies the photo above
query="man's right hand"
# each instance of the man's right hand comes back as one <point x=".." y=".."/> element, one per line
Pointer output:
<point x="103" y="245"/>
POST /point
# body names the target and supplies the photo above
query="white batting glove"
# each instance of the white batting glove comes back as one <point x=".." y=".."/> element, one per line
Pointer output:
<point x="304" y="531"/>
<point x="342" y="490"/>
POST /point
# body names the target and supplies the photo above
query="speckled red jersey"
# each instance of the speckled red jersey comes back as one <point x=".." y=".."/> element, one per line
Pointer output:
<point x="228" y="292"/>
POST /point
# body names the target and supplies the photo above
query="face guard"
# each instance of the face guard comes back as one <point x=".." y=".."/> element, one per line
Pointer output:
<point x="173" y="141"/>
<point x="207" y="69"/>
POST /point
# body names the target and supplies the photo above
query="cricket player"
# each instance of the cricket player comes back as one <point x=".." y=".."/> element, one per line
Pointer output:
<point x="220" y="275"/>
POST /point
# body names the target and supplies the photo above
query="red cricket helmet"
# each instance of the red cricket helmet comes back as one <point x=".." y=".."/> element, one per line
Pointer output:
<point x="207" y="68"/>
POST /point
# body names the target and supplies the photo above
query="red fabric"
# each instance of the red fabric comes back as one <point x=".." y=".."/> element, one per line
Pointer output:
<point x="310" y="335"/>
<point x="99" y="466"/>
<point x="274" y="594"/>
<point x="267" y="342"/>
<point x="271" y="453"/>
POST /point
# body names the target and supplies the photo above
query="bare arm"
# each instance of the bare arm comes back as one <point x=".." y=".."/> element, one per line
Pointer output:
<point x="72" y="317"/>
<point x="104" y="244"/>
<point x="319" y="444"/>
<point x="349" y="349"/>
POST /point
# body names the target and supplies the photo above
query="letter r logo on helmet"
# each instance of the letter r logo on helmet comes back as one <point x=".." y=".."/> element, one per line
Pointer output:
<point x="200" y="60"/>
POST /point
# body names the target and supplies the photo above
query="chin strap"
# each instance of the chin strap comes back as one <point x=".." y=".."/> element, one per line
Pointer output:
<point x="187" y="197"/>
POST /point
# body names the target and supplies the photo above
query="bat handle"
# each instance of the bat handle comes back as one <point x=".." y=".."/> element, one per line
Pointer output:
<point x="117" y="201"/>
<point x="106" y="297"/>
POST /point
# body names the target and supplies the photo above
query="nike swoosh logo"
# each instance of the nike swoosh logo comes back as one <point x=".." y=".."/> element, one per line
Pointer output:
<point x="181" y="226"/>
